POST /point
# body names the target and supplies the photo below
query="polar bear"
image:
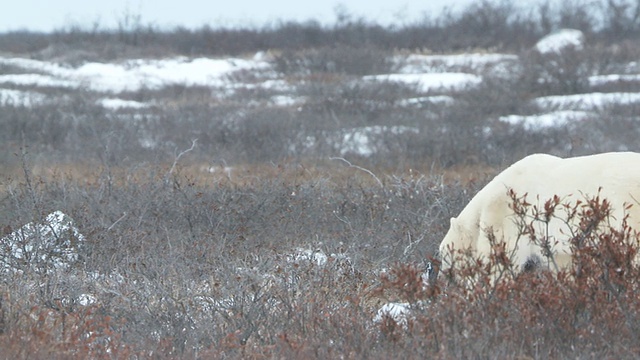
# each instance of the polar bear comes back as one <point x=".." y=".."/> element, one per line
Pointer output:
<point x="612" y="176"/>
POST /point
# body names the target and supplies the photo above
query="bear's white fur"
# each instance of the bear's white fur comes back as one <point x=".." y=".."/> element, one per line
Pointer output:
<point x="540" y="177"/>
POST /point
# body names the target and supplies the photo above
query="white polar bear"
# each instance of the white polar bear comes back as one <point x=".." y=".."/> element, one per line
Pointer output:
<point x="614" y="176"/>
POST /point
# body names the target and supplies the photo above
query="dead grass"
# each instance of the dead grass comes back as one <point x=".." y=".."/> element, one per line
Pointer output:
<point x="199" y="263"/>
<point x="242" y="175"/>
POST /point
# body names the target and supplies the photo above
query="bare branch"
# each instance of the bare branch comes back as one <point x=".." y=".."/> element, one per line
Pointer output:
<point x="175" y="161"/>
<point x="117" y="221"/>
<point x="359" y="168"/>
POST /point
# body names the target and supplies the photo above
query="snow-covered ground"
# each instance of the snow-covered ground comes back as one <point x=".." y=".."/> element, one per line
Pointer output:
<point x="130" y="75"/>
<point x="115" y="104"/>
<point x="426" y="82"/>
<point x="587" y="102"/>
<point x="436" y="80"/>
<point x="9" y="97"/>
<point x="552" y="119"/>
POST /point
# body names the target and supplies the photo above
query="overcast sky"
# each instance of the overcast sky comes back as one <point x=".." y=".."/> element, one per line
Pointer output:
<point x="46" y="15"/>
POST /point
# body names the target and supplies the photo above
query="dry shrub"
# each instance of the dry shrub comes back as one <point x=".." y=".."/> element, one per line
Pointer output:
<point x="345" y="59"/>
<point x="206" y="271"/>
<point x="60" y="332"/>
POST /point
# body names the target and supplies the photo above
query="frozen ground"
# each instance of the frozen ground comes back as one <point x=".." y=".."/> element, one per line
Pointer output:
<point x="437" y="80"/>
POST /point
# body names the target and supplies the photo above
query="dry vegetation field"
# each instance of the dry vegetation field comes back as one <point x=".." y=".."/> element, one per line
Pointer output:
<point x="279" y="232"/>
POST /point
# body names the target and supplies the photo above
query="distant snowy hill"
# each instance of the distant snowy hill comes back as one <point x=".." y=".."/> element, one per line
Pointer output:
<point x="438" y="80"/>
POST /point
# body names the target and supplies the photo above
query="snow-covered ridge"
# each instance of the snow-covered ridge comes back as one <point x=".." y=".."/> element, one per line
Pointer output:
<point x="129" y="75"/>
<point x="474" y="62"/>
<point x="548" y="120"/>
<point x="426" y="82"/>
<point x="587" y="102"/>
<point x="438" y="81"/>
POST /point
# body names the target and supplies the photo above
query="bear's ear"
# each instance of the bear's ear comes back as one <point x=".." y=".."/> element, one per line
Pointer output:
<point x="452" y="222"/>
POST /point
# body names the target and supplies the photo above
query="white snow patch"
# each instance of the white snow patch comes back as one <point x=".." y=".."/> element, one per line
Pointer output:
<point x="418" y="63"/>
<point x="427" y="100"/>
<point x="228" y="89"/>
<point x="135" y="74"/>
<point x="52" y="243"/>
<point x="559" y="40"/>
<point x="286" y="100"/>
<point x="37" y="66"/>
<point x="131" y="75"/>
<point x="396" y="311"/>
<point x="307" y="255"/>
<point x="20" y="98"/>
<point x="364" y="141"/>
<point x="116" y="104"/>
<point x="548" y="120"/>
<point x="273" y="84"/>
<point x="36" y="80"/>
<point x="399" y="312"/>
<point x="86" y="299"/>
<point x="216" y="169"/>
<point x="426" y="82"/>
<point x="586" y="102"/>
<point x="597" y="80"/>
<point x="147" y="142"/>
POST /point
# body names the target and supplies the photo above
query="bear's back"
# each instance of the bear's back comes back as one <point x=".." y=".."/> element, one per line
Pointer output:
<point x="541" y="175"/>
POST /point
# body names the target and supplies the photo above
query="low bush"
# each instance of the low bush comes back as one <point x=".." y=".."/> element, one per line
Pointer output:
<point x="271" y="262"/>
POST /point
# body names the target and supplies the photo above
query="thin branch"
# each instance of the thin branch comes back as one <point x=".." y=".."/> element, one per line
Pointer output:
<point x="359" y="168"/>
<point x="117" y="221"/>
<point x="175" y="161"/>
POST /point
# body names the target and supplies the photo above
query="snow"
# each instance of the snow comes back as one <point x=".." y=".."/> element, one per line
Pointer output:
<point x="560" y="40"/>
<point x="563" y="110"/>
<point x="270" y="84"/>
<point x="131" y="75"/>
<point x="36" y="80"/>
<point x="286" y="100"/>
<point x="396" y="311"/>
<point x="587" y="102"/>
<point x="116" y="104"/>
<point x="307" y="255"/>
<point x="430" y="100"/>
<point x="86" y="299"/>
<point x="547" y="120"/>
<point x="52" y="243"/>
<point x="399" y="312"/>
<point x="37" y="66"/>
<point x="440" y="73"/>
<point x="598" y="80"/>
<point x="363" y="140"/>
<point x="476" y="62"/>
<point x="136" y="74"/>
<point x="426" y="82"/>
<point x="20" y="98"/>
